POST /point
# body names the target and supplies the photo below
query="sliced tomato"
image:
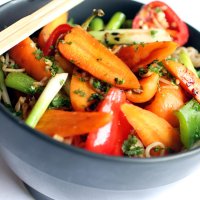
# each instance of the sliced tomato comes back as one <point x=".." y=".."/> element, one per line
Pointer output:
<point x="157" y="14"/>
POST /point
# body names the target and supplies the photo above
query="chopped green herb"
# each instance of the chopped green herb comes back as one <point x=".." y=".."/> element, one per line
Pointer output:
<point x="96" y="84"/>
<point x="62" y="41"/>
<point x="54" y="69"/>
<point x="158" y="149"/>
<point x="100" y="85"/>
<point x="69" y="43"/>
<point x="51" y="47"/>
<point x="95" y="96"/>
<point x="82" y="79"/>
<point x="153" y="33"/>
<point x="142" y="44"/>
<point x="158" y="9"/>
<point x="72" y="61"/>
<point x="79" y="92"/>
<point x="119" y="81"/>
<point x="60" y="101"/>
<point x="142" y="71"/>
<point x="38" y="54"/>
<point x="130" y="147"/>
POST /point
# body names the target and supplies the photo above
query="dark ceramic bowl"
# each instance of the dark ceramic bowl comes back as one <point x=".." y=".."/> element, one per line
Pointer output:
<point x="60" y="171"/>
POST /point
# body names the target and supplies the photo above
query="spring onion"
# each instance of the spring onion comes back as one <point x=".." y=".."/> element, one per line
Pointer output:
<point x="130" y="36"/>
<point x="116" y="21"/>
<point x="50" y="91"/>
<point x="97" y="24"/>
<point x="21" y="82"/>
<point x="185" y="60"/>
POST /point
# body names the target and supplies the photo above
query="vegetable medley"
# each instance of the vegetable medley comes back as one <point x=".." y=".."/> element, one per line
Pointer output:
<point x="126" y="87"/>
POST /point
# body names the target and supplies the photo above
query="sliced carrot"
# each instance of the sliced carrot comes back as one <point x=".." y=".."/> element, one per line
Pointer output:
<point x="66" y="123"/>
<point x="188" y="80"/>
<point x="80" y="91"/>
<point x="25" y="56"/>
<point x="64" y="64"/>
<point x="140" y="55"/>
<point x="151" y="128"/>
<point x="48" y="29"/>
<point x="149" y="86"/>
<point x="168" y="99"/>
<point x="90" y="55"/>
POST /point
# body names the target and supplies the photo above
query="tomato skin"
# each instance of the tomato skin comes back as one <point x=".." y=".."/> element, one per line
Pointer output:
<point x="176" y="27"/>
<point x="108" y="139"/>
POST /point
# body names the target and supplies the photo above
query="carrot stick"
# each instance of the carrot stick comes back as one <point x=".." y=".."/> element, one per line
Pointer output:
<point x="48" y="29"/>
<point x="188" y="80"/>
<point x="140" y="55"/>
<point x="66" y="123"/>
<point x="149" y="86"/>
<point x="151" y="128"/>
<point x="26" y="55"/>
<point x="90" y="55"/>
<point x="80" y="91"/>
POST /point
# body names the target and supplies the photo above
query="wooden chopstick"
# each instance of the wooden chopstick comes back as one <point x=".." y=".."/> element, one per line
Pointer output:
<point x="24" y="21"/>
<point x="23" y="28"/>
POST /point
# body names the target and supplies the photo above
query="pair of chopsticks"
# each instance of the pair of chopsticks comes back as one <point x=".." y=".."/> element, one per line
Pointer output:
<point x="26" y="26"/>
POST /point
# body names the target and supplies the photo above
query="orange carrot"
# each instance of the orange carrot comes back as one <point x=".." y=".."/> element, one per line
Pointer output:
<point x="151" y="128"/>
<point x="140" y="55"/>
<point x="25" y="55"/>
<point x="48" y="29"/>
<point x="90" y="55"/>
<point x="66" y="123"/>
<point x="80" y="91"/>
<point x="149" y="86"/>
<point x="167" y="100"/>
<point x="188" y="80"/>
<point x="64" y="64"/>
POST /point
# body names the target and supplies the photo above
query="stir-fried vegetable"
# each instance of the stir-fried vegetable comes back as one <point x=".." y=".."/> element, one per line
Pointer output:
<point x="116" y="21"/>
<point x="50" y="91"/>
<point x="28" y="56"/>
<point x="130" y="36"/>
<point x="22" y="82"/>
<point x="151" y="128"/>
<point x="157" y="14"/>
<point x="108" y="139"/>
<point x="108" y="90"/>
<point x="189" y="117"/>
<point x="96" y="59"/>
<point x="140" y="55"/>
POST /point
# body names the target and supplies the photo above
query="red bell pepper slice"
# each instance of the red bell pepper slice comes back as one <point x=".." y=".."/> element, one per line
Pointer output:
<point x="51" y="42"/>
<point x="157" y="14"/>
<point x="108" y="139"/>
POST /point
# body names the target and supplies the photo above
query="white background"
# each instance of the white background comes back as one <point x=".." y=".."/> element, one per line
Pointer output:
<point x="11" y="187"/>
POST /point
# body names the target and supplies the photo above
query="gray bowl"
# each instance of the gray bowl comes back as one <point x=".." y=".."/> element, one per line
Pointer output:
<point x="61" y="171"/>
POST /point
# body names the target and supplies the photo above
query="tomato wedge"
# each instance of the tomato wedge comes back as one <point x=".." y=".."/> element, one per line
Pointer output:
<point x="157" y="14"/>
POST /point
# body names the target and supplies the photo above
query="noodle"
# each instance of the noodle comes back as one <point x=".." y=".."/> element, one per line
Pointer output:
<point x="152" y="146"/>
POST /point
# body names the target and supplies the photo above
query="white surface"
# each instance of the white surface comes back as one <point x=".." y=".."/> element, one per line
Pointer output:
<point x="11" y="187"/>
<point x="4" y="1"/>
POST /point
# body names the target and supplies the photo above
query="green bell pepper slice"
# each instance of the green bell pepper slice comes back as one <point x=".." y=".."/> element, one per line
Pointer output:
<point x="189" y="119"/>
